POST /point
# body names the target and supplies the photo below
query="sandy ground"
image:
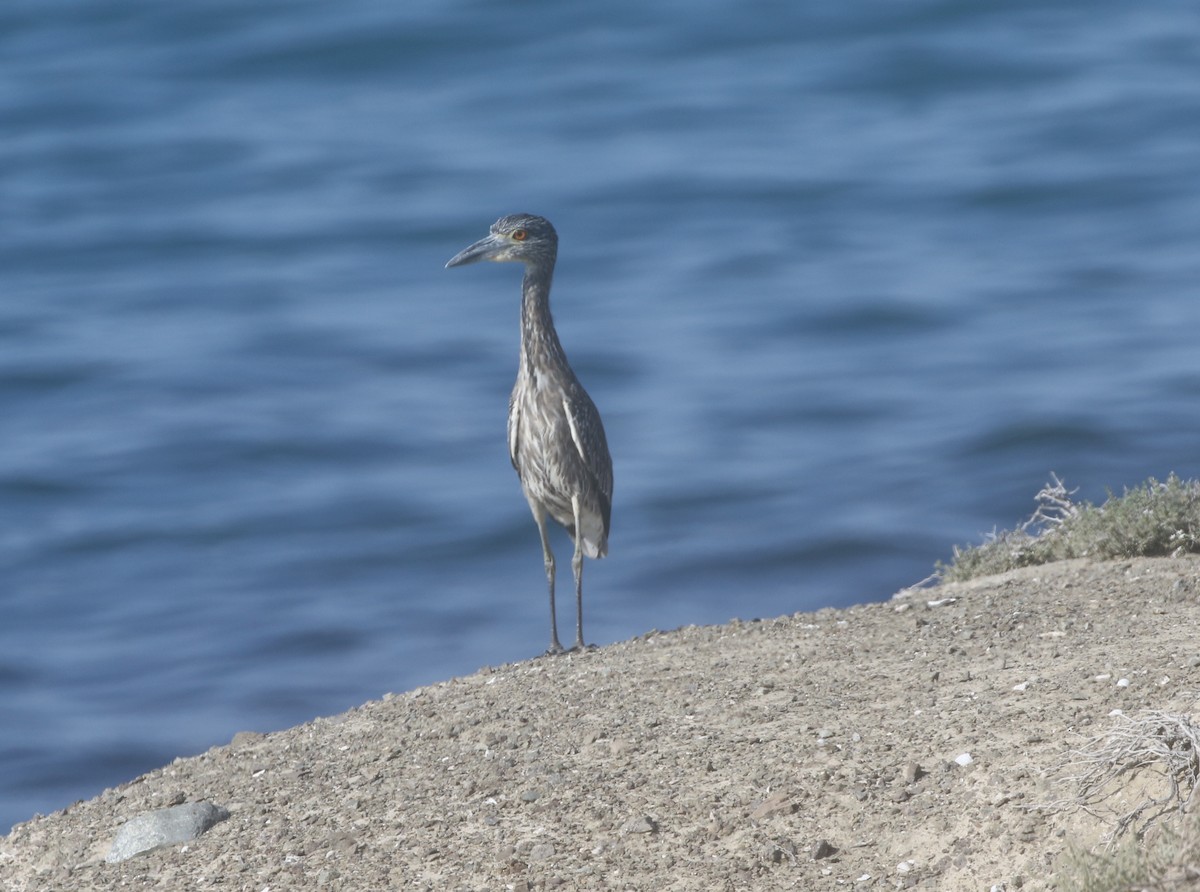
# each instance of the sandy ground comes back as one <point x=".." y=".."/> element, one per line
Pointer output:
<point x="812" y="751"/>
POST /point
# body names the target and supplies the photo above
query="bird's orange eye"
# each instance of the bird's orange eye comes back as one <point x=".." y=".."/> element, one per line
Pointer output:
<point x="520" y="235"/>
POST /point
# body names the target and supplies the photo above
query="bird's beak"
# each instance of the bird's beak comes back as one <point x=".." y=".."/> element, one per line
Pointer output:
<point x="484" y="249"/>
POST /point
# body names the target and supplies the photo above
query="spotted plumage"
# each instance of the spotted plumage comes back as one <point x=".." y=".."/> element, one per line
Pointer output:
<point x="555" y="436"/>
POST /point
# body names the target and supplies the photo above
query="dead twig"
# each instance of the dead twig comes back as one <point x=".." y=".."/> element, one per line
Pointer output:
<point x="1161" y="749"/>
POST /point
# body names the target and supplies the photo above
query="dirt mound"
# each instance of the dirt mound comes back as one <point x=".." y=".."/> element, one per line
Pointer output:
<point x="891" y="745"/>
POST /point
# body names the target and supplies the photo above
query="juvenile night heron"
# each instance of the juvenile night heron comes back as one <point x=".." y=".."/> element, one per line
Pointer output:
<point x="555" y="436"/>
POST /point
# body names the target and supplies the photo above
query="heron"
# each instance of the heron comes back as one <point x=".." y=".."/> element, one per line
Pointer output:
<point x="555" y="436"/>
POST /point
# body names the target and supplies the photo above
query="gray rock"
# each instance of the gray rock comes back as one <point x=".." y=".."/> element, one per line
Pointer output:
<point x="164" y="827"/>
<point x="822" y="849"/>
<point x="639" y="825"/>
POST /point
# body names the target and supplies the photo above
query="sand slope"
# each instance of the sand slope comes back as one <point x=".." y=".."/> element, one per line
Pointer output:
<point x="809" y="752"/>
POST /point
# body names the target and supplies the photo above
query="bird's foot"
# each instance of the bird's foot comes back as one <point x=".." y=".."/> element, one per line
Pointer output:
<point x="557" y="650"/>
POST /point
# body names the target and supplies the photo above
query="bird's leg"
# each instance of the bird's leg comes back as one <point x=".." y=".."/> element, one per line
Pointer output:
<point x="577" y="566"/>
<point x="548" y="555"/>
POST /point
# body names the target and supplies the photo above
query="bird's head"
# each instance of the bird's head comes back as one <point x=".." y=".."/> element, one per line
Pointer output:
<point x="524" y="237"/>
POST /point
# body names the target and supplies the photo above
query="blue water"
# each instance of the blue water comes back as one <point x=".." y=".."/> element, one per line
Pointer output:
<point x="847" y="282"/>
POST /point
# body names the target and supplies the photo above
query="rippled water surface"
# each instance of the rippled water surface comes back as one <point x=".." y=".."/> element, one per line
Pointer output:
<point x="847" y="283"/>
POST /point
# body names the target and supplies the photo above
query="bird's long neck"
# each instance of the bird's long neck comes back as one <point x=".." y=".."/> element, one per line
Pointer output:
<point x="540" y="346"/>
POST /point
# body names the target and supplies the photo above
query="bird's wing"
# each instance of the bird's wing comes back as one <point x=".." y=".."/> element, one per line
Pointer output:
<point x="514" y="430"/>
<point x="587" y="433"/>
<point x="574" y="423"/>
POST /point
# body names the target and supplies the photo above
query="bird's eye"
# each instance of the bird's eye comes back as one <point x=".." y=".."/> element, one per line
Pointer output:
<point x="520" y="235"/>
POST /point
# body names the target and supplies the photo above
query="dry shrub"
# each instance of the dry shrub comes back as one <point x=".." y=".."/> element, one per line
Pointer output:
<point x="1152" y="520"/>
<point x="1144" y="768"/>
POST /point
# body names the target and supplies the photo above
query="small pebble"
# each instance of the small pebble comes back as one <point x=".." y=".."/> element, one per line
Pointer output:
<point x="822" y="849"/>
<point x="619" y="747"/>
<point x="638" y="825"/>
<point x="911" y="772"/>
<point x="777" y="803"/>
